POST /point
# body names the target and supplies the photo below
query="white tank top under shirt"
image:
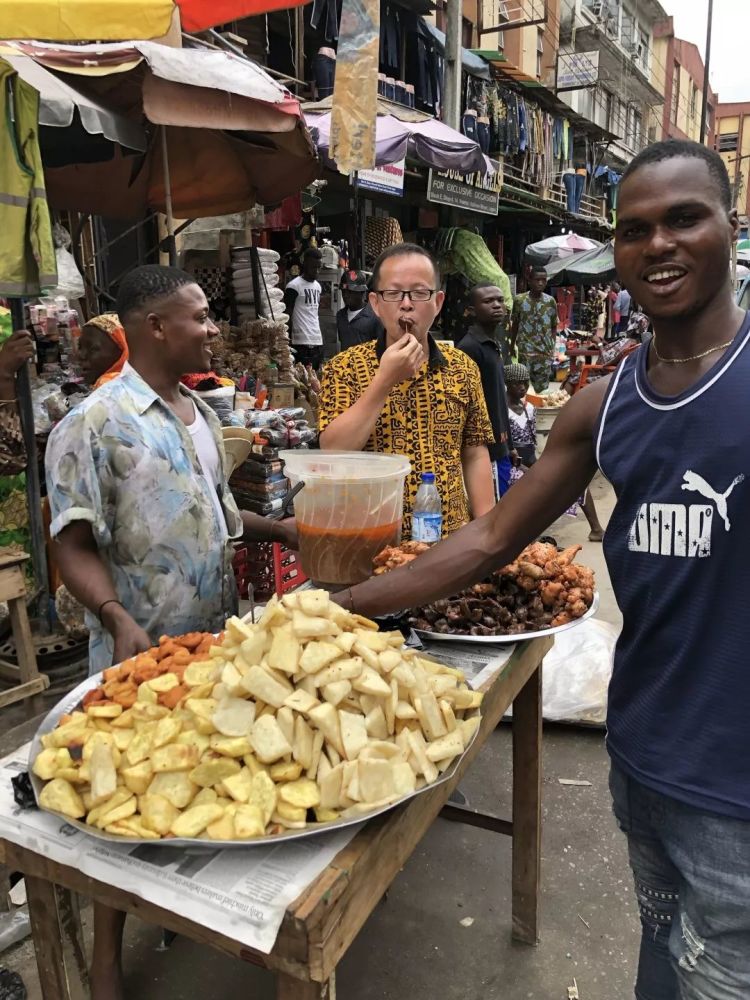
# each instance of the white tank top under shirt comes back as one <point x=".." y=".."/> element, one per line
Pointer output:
<point x="210" y="460"/>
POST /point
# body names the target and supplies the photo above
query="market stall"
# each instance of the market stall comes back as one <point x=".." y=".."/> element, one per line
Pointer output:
<point x="307" y="919"/>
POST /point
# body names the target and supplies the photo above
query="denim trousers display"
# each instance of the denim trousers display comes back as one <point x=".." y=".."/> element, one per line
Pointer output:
<point x="469" y="125"/>
<point x="483" y="134"/>
<point x="324" y="68"/>
<point x="574" y="185"/>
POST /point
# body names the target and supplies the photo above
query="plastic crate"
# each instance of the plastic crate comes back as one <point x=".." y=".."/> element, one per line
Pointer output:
<point x="269" y="567"/>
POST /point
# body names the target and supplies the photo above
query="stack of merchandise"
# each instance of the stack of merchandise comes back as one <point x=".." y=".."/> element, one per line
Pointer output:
<point x="271" y="302"/>
<point x="259" y="484"/>
<point x="251" y="349"/>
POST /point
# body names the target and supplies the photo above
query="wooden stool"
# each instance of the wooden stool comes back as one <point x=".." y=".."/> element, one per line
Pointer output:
<point x="28" y="680"/>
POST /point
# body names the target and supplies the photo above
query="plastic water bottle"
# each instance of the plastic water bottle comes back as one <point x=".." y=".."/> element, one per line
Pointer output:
<point x="427" y="517"/>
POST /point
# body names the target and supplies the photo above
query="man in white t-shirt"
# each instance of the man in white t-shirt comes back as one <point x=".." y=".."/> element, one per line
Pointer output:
<point x="302" y="302"/>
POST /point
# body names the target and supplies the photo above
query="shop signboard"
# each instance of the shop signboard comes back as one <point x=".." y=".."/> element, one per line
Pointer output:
<point x="387" y="180"/>
<point x="475" y="192"/>
<point x="577" y="69"/>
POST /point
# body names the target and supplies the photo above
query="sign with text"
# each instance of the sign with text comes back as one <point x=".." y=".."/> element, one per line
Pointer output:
<point x="475" y="192"/>
<point x="577" y="69"/>
<point x="387" y="180"/>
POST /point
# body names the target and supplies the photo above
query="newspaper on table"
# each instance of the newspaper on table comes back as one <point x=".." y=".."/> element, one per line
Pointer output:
<point x="241" y="892"/>
<point x="479" y="661"/>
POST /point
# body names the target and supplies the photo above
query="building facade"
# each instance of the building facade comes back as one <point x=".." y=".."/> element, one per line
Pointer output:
<point x="679" y="73"/>
<point x="733" y="143"/>
<point x="610" y="44"/>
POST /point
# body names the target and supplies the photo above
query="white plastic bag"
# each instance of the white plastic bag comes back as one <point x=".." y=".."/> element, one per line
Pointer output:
<point x="577" y="671"/>
<point x="69" y="280"/>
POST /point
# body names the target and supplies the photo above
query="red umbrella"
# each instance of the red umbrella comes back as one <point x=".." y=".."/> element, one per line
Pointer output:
<point x="197" y="15"/>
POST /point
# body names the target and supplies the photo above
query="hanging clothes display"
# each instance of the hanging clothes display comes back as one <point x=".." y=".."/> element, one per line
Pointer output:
<point x="325" y="17"/>
<point x="510" y="125"/>
<point x="27" y="253"/>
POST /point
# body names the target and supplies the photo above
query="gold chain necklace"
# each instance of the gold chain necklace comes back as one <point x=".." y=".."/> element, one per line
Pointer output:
<point x="695" y="357"/>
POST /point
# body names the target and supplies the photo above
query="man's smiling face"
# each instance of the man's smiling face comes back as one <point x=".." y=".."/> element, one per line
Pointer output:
<point x="674" y="236"/>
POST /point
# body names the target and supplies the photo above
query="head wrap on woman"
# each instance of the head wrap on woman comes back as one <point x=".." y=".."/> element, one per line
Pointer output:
<point x="109" y="323"/>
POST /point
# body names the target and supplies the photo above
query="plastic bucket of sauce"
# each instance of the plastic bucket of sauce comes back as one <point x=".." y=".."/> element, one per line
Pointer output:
<point x="351" y="507"/>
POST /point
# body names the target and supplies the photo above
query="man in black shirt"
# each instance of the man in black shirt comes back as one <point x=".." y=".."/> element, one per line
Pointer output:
<point x="483" y="344"/>
<point x="356" y="323"/>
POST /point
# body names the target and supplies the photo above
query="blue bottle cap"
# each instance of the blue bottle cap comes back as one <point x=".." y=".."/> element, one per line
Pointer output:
<point x="428" y="477"/>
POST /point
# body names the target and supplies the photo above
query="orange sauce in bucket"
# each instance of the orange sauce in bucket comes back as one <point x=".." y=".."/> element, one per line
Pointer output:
<point x="340" y="557"/>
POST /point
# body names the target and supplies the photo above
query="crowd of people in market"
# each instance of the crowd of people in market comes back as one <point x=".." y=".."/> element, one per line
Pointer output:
<point x="144" y="522"/>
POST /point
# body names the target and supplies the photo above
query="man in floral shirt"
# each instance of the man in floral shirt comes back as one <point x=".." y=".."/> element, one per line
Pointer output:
<point x="534" y="329"/>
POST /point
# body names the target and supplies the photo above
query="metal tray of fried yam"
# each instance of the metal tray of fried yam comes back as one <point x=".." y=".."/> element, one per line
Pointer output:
<point x="72" y="701"/>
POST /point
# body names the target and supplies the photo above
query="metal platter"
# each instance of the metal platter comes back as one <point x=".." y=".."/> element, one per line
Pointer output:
<point x="72" y="701"/>
<point x="496" y="639"/>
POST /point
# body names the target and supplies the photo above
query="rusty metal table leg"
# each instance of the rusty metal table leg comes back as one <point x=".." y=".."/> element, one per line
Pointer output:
<point x="58" y="943"/>
<point x="527" y="809"/>
<point x="289" y="988"/>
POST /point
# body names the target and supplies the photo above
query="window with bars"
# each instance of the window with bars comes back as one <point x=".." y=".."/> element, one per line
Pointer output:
<point x="728" y="142"/>
<point x="693" y="103"/>
<point x="675" y="93"/>
<point x="539" y="51"/>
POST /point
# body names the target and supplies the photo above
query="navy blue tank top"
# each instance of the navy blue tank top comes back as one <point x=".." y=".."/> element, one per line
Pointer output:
<point x="678" y="553"/>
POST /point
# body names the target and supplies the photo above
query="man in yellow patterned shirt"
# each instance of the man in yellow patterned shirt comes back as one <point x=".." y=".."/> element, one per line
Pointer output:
<point x="403" y="395"/>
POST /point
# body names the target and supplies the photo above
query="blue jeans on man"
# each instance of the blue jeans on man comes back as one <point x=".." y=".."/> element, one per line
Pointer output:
<point x="692" y="881"/>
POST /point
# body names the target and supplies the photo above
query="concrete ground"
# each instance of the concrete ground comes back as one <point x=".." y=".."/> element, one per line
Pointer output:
<point x="414" y="945"/>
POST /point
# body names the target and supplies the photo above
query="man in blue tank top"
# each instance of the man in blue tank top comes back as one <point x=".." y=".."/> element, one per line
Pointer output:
<point x="670" y="431"/>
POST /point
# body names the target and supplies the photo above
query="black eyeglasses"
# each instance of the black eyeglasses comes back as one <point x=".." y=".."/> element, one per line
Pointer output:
<point x="415" y="294"/>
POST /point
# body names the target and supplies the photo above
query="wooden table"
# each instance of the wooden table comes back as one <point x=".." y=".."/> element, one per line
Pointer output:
<point x="322" y="923"/>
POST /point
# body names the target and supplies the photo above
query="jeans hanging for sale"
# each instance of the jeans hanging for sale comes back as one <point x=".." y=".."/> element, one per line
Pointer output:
<point x="574" y="185"/>
<point x="483" y="134"/>
<point x="325" y="15"/>
<point x="324" y="71"/>
<point x="390" y="41"/>
<point x="469" y="125"/>
<point x="425" y="64"/>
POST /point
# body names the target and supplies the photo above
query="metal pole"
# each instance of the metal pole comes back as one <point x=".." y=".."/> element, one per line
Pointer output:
<point x="33" y="486"/>
<point x="704" y="105"/>
<point x="168" y="198"/>
<point x="452" y="69"/>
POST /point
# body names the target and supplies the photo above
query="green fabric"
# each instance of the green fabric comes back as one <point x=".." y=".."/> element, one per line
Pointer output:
<point x="470" y="255"/>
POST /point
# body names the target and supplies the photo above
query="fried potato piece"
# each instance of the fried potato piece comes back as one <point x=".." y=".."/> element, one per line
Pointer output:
<point x="239" y="785"/>
<point x="285" y="770"/>
<point x="103" y="773"/>
<point x="268" y="741"/>
<point x="304" y="794"/>
<point x="263" y="794"/>
<point x="289" y="812"/>
<point x="212" y="772"/>
<point x="194" y="820"/>
<point x="138" y="777"/>
<point x="60" y="796"/>
<point x="248" y="822"/>
<point x="176" y="757"/>
<point x="157" y="813"/>
<point x="176" y="786"/>
<point x="234" y="716"/>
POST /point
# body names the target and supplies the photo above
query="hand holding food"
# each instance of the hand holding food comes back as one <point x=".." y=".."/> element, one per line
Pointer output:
<point x="401" y="360"/>
<point x="309" y="716"/>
